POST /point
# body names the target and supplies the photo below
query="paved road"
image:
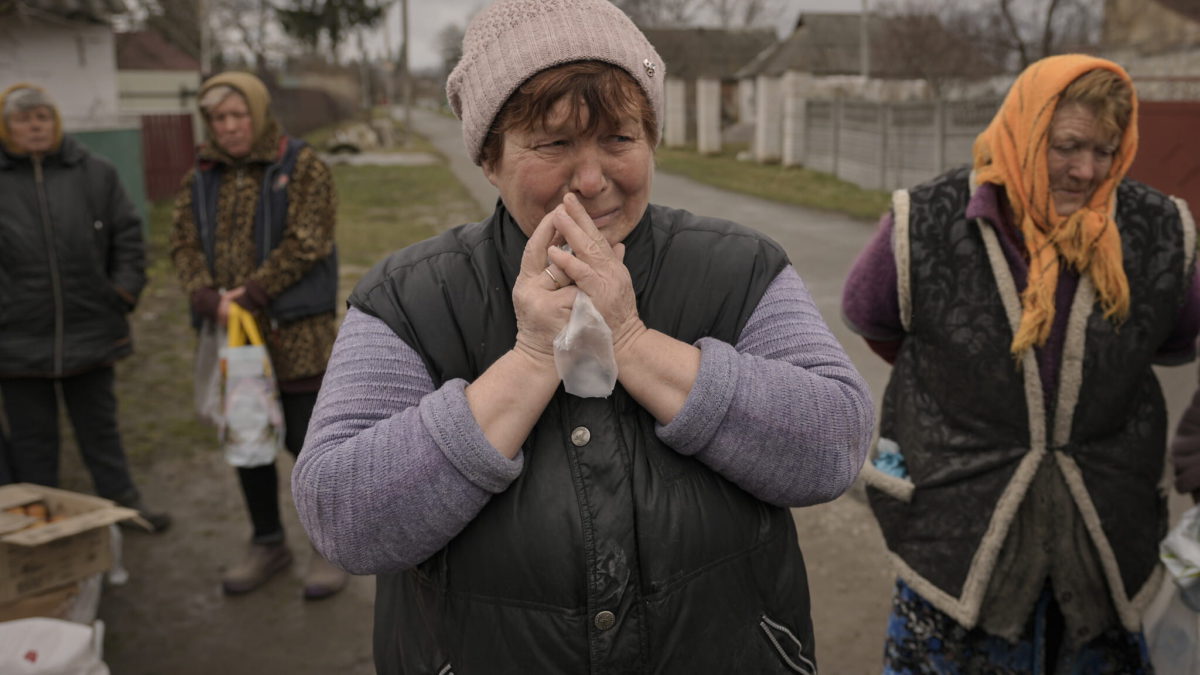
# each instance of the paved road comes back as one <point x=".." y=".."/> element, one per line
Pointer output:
<point x="849" y="575"/>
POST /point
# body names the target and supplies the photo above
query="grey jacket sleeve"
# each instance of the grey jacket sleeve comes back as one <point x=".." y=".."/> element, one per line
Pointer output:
<point x="783" y="414"/>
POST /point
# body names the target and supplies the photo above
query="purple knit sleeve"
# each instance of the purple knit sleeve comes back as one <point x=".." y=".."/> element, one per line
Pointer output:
<point x="1180" y="345"/>
<point x="870" y="298"/>
<point x="783" y="414"/>
<point x="392" y="469"/>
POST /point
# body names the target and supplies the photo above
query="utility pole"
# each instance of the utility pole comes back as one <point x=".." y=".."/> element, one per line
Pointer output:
<point x="389" y="85"/>
<point x="408" y="88"/>
<point x="202" y="8"/>
<point x="864" y="41"/>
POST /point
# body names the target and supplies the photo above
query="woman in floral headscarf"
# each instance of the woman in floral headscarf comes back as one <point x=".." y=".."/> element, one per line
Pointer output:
<point x="1022" y="304"/>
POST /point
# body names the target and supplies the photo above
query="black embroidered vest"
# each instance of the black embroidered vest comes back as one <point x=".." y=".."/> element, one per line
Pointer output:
<point x="959" y="405"/>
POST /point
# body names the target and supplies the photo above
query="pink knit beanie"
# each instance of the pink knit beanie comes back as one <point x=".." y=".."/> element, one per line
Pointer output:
<point x="510" y="41"/>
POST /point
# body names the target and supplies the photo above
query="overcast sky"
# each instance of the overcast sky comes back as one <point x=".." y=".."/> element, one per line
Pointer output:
<point x="429" y="17"/>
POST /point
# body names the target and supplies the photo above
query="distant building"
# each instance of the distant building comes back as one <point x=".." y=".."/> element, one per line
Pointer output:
<point x="66" y="47"/>
<point x="156" y="77"/>
<point x="702" y="85"/>
<point x="1158" y="42"/>
<point x="902" y="59"/>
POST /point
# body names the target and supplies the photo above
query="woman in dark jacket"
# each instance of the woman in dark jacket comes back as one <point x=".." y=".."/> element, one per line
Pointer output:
<point x="519" y="528"/>
<point x="71" y="268"/>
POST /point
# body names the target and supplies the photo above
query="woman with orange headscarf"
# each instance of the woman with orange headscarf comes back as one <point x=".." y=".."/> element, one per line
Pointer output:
<point x="1022" y="304"/>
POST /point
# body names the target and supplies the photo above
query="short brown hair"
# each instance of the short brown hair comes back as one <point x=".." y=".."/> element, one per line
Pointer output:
<point x="606" y="92"/>
<point x="1107" y="95"/>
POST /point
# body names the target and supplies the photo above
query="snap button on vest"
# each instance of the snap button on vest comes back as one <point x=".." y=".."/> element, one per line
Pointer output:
<point x="605" y="620"/>
<point x="580" y="437"/>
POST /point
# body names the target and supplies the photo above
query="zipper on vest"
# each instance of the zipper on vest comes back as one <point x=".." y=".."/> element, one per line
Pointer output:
<point x="52" y="252"/>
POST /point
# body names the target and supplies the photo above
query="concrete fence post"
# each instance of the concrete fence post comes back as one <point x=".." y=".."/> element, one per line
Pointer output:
<point x="835" y="135"/>
<point x="675" y="133"/>
<point x="746" y="100"/>
<point x="939" y="136"/>
<point x="885" y="121"/>
<point x="795" y="111"/>
<point x="768" y="125"/>
<point x="708" y="116"/>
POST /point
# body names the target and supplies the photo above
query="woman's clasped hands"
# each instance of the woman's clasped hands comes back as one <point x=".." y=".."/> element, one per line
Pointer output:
<point x="551" y="277"/>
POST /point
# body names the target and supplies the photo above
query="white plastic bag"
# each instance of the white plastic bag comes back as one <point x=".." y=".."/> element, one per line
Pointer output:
<point x="1172" y="621"/>
<point x="583" y="352"/>
<point x="51" y="647"/>
<point x="1173" y="639"/>
<point x="252" y="429"/>
<point x="207" y="381"/>
<point x="1180" y="552"/>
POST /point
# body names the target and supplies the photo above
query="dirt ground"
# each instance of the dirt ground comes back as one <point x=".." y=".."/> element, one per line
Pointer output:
<point x="172" y="618"/>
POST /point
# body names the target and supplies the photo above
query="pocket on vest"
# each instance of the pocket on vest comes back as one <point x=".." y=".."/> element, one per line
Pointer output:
<point x="786" y="645"/>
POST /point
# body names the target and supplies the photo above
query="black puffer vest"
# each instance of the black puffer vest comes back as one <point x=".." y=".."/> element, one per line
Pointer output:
<point x="611" y="553"/>
<point x="972" y="425"/>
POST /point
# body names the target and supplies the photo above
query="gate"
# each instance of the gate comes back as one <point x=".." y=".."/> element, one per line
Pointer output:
<point x="1168" y="156"/>
<point x="168" y="150"/>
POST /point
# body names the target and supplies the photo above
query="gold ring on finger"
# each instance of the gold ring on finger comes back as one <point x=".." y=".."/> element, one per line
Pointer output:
<point x="557" y="283"/>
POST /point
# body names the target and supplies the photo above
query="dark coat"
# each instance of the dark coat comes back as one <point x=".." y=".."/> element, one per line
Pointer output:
<point x="612" y="552"/>
<point x="72" y="263"/>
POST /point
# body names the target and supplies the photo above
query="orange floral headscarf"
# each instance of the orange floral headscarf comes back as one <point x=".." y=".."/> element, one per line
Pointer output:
<point x="1011" y="153"/>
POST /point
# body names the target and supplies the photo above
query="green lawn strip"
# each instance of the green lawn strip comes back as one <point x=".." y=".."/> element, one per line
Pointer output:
<point x="380" y="209"/>
<point x="791" y="185"/>
<point x="321" y="138"/>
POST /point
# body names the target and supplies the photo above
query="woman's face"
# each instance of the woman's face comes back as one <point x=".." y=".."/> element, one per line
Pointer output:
<point x="610" y="171"/>
<point x="233" y="129"/>
<point x="31" y="132"/>
<point x="1078" y="157"/>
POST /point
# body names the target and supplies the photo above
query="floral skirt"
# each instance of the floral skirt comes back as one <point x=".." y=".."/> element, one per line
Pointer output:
<point x="922" y="639"/>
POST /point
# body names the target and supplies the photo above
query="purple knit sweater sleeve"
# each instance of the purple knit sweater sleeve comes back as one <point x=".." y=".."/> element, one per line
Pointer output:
<point x="783" y="414"/>
<point x="392" y="469"/>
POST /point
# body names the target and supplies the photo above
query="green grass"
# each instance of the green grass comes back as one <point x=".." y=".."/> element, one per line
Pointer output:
<point x="380" y="209"/>
<point x="791" y="185"/>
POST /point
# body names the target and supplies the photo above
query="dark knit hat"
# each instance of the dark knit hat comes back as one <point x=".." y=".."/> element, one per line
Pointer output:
<point x="510" y="41"/>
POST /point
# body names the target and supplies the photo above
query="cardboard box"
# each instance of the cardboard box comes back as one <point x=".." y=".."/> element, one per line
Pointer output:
<point x="53" y="555"/>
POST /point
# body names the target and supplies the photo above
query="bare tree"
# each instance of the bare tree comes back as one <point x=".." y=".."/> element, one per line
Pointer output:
<point x="648" y="13"/>
<point x="176" y="20"/>
<point x="944" y="41"/>
<point x="735" y="13"/>
<point x="938" y="43"/>
<point x="450" y="46"/>
<point x="247" y="25"/>
<point x="1034" y="29"/>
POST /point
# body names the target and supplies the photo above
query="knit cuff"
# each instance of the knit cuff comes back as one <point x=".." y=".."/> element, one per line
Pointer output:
<point x="205" y="302"/>
<point x="447" y="416"/>
<point x="707" y="403"/>
<point x="255" y="297"/>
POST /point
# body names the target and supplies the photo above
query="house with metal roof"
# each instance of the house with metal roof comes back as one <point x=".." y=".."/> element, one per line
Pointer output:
<point x="702" y="84"/>
<point x="65" y="46"/>
<point x="876" y="58"/>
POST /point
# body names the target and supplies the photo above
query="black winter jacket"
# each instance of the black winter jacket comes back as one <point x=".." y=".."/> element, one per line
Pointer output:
<point x="72" y="263"/>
